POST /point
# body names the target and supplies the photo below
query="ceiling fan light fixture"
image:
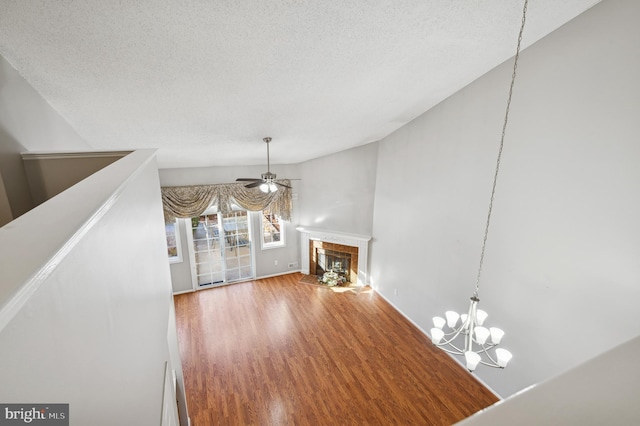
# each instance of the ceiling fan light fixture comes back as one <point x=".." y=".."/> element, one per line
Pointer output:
<point x="267" y="181"/>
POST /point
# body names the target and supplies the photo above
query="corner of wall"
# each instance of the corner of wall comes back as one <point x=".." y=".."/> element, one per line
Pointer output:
<point x="5" y="208"/>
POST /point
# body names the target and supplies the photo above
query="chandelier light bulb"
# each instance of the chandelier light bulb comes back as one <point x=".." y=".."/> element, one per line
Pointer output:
<point x="436" y="335"/>
<point x="482" y="334"/>
<point x="496" y="335"/>
<point x="503" y="357"/>
<point x="439" y="322"/>
<point x="481" y="316"/>
<point x="463" y="318"/>
<point x="473" y="359"/>
<point x="264" y="188"/>
<point x="273" y="187"/>
<point x="452" y="318"/>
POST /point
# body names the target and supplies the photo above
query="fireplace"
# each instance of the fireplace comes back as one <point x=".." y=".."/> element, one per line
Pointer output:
<point x="325" y="256"/>
<point x="347" y="252"/>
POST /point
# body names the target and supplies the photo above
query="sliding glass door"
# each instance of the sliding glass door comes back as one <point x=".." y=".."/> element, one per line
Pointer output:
<point x="207" y="250"/>
<point x="237" y="256"/>
<point x="220" y="249"/>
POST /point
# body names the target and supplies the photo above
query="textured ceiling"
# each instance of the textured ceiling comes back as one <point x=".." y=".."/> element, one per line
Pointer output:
<point x="205" y="81"/>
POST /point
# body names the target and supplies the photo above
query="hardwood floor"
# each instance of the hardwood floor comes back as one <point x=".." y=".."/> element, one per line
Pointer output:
<point x="279" y="352"/>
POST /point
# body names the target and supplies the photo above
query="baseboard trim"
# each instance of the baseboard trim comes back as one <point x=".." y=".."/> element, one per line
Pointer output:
<point x="183" y="292"/>
<point x="277" y="275"/>
<point x="175" y="293"/>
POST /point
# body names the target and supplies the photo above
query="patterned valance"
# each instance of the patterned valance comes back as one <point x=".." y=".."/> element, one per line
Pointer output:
<point x="193" y="200"/>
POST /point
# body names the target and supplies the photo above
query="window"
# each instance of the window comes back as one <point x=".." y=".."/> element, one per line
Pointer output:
<point x="174" y="250"/>
<point x="272" y="230"/>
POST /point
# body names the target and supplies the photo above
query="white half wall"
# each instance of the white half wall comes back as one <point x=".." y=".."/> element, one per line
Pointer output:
<point x="49" y="174"/>
<point x="561" y="269"/>
<point x="602" y="391"/>
<point x="85" y="299"/>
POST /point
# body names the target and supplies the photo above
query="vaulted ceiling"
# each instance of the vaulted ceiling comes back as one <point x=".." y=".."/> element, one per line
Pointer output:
<point x="204" y="81"/>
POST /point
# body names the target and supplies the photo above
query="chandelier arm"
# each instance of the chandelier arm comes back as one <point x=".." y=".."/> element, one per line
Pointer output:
<point x="449" y="342"/>
<point x="455" y="332"/>
<point x="490" y="365"/>
<point x="466" y="328"/>
<point x="453" y="337"/>
<point x="493" y="361"/>
<point x="457" y="351"/>
<point x="485" y="346"/>
<point x="504" y="130"/>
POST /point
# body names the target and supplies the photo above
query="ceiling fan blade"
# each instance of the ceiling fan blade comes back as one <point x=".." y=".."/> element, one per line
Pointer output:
<point x="282" y="184"/>
<point x="254" y="184"/>
<point x="248" y="179"/>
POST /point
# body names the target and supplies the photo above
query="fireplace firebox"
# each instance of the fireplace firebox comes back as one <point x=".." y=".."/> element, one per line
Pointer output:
<point x="329" y="260"/>
<point x="324" y="257"/>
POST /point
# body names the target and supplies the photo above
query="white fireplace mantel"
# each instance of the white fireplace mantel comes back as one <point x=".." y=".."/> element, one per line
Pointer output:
<point x="336" y="237"/>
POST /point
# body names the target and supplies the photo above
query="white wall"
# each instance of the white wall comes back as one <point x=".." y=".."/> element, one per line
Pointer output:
<point x="28" y="119"/>
<point x="561" y="269"/>
<point x="6" y="215"/>
<point x="85" y="299"/>
<point x="27" y="123"/>
<point x="337" y="191"/>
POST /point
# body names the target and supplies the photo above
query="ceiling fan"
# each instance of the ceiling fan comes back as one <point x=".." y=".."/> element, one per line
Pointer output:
<point x="267" y="181"/>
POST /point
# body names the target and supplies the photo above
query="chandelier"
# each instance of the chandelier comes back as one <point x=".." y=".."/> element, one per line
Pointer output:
<point x="465" y="334"/>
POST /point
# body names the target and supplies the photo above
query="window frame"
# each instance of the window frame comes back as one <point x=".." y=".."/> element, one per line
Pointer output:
<point x="271" y="245"/>
<point x="176" y="230"/>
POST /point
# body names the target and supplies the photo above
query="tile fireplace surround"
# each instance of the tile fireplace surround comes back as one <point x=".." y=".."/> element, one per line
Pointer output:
<point x="361" y="242"/>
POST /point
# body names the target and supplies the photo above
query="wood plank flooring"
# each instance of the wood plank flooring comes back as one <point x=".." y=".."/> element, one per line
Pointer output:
<point x="279" y="352"/>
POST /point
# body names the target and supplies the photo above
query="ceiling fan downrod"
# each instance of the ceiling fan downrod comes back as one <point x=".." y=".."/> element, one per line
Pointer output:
<point x="268" y="177"/>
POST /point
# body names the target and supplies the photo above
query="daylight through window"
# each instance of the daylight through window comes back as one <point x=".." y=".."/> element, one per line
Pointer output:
<point x="272" y="230"/>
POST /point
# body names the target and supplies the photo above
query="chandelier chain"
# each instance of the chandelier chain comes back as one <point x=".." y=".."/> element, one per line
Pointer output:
<point x="504" y="130"/>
